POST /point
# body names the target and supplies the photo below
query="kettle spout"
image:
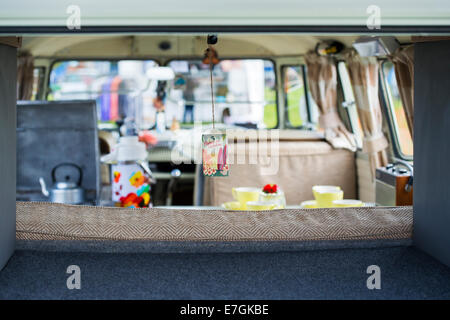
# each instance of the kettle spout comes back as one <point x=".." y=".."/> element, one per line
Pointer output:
<point x="43" y="187"/>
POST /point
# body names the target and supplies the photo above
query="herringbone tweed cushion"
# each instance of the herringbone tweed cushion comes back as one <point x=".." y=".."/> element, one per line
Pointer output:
<point x="50" y="221"/>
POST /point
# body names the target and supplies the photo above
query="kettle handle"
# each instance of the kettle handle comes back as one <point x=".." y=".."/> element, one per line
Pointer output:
<point x="43" y="187"/>
<point x="70" y="165"/>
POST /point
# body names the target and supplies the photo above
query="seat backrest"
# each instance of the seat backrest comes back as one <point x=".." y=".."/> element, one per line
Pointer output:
<point x="301" y="165"/>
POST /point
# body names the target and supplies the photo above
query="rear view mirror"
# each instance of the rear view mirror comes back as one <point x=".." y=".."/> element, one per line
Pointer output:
<point x="375" y="46"/>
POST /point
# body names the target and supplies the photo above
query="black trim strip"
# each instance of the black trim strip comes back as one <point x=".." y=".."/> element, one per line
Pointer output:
<point x="422" y="30"/>
<point x="306" y="88"/>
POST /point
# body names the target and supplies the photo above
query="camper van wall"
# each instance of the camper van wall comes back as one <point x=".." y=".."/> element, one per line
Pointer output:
<point x="8" y="74"/>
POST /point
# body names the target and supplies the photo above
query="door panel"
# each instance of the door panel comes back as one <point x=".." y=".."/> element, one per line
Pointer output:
<point x="431" y="149"/>
<point x="8" y="70"/>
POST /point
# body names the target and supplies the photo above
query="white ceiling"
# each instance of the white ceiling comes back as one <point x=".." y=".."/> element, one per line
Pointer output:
<point x="225" y="12"/>
<point x="229" y="45"/>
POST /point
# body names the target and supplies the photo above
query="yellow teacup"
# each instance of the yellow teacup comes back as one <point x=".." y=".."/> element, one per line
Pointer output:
<point x="309" y="204"/>
<point x="325" y="197"/>
<point x="347" y="203"/>
<point x="317" y="189"/>
<point x="258" y="205"/>
<point x="245" y="194"/>
<point x="232" y="205"/>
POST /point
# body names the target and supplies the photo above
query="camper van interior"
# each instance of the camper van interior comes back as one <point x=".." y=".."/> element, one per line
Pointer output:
<point x="229" y="165"/>
<point x="333" y="116"/>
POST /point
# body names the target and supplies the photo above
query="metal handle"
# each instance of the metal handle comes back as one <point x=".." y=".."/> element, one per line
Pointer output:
<point x="43" y="187"/>
<point x="147" y="170"/>
<point x="410" y="182"/>
<point x="405" y="164"/>
<point x="408" y="186"/>
<point x="69" y="165"/>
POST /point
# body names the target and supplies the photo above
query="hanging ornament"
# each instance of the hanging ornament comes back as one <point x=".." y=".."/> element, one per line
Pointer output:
<point x="214" y="147"/>
<point x="214" y="142"/>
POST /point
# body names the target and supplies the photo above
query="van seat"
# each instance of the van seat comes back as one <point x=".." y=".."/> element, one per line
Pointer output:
<point x="302" y="164"/>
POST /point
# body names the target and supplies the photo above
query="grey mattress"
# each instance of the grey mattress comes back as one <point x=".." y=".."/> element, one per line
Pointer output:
<point x="222" y="271"/>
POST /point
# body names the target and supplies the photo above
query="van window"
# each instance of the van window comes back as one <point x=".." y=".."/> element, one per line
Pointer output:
<point x="117" y="86"/>
<point x="397" y="113"/>
<point x="244" y="92"/>
<point x="300" y="109"/>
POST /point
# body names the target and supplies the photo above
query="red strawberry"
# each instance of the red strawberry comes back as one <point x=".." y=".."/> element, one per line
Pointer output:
<point x="270" y="188"/>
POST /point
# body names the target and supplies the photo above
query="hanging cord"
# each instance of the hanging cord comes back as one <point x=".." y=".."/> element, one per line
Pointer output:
<point x="211" y="40"/>
<point x="211" y="66"/>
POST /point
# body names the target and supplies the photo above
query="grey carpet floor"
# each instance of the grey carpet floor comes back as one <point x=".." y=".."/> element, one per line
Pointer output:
<point x="406" y="273"/>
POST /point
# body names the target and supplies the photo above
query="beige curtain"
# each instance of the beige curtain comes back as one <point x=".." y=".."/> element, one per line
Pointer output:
<point x="25" y="67"/>
<point x="363" y="72"/>
<point x="322" y="80"/>
<point x="403" y="60"/>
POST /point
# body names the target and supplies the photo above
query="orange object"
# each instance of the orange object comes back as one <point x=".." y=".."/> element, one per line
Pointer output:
<point x="214" y="56"/>
<point x="138" y="179"/>
<point x="158" y="103"/>
<point x="148" y="138"/>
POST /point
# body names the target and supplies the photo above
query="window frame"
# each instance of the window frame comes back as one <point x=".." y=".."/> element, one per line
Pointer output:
<point x="390" y="114"/>
<point x="308" y="124"/>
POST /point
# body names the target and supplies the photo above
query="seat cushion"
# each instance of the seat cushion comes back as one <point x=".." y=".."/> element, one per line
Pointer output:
<point x="51" y="221"/>
<point x="300" y="165"/>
